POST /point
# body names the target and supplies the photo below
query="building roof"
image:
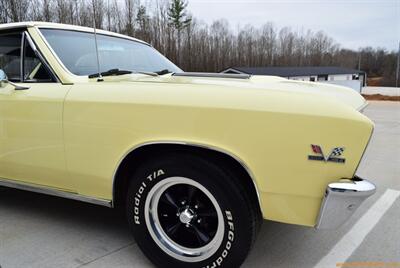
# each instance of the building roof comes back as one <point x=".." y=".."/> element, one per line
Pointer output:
<point x="41" y="24"/>
<point x="295" y="71"/>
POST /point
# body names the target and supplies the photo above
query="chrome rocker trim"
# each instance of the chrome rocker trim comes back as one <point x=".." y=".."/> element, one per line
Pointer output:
<point x="54" y="192"/>
<point x="341" y="199"/>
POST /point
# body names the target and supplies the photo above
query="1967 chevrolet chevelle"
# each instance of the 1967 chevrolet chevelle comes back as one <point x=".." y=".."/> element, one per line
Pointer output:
<point x="196" y="160"/>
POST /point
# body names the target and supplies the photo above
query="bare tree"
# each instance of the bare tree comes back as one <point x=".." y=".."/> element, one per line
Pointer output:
<point x="129" y="17"/>
<point x="196" y="46"/>
<point x="143" y="22"/>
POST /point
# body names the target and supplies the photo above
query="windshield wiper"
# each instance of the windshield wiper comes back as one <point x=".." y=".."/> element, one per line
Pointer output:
<point x="162" y="72"/>
<point x="110" y="73"/>
<point x="120" y="72"/>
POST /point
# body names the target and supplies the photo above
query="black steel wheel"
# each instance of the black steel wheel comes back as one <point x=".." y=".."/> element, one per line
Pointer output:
<point x="187" y="215"/>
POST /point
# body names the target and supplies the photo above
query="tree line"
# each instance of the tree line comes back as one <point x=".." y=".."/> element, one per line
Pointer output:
<point x="196" y="46"/>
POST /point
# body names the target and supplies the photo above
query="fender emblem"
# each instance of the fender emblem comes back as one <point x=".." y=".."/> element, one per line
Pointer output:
<point x="334" y="156"/>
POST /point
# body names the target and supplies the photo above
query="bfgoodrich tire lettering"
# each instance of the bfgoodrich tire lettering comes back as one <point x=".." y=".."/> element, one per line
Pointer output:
<point x="186" y="211"/>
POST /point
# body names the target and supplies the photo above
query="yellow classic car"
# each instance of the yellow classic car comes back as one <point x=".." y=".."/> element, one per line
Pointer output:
<point x="196" y="160"/>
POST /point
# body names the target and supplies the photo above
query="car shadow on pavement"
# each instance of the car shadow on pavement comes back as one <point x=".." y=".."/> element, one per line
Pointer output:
<point x="57" y="209"/>
<point x="277" y="245"/>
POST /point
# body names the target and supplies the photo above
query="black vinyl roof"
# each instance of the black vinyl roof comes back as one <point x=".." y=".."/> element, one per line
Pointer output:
<point x="296" y="71"/>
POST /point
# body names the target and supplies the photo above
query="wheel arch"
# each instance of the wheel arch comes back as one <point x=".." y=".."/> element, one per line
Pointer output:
<point x="130" y="161"/>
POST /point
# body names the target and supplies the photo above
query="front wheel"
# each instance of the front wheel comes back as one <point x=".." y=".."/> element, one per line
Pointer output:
<point x="187" y="211"/>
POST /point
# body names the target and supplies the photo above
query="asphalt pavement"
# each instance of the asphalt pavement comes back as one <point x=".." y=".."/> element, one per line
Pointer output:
<point x="43" y="231"/>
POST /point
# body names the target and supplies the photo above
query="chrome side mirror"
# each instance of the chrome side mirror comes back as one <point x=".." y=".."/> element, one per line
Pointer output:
<point x="3" y="76"/>
<point x="4" y="80"/>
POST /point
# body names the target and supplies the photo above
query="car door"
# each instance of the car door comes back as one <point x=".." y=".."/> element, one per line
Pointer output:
<point x="31" y="127"/>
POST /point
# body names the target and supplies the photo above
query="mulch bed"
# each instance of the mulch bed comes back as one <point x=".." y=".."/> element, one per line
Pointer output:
<point x="381" y="97"/>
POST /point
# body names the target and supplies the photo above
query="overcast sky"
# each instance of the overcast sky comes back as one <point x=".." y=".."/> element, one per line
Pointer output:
<point x="351" y="23"/>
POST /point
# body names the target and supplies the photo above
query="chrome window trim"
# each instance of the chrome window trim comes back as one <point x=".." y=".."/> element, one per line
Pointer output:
<point x="53" y="52"/>
<point x="189" y="144"/>
<point x="22" y="56"/>
<point x="90" y="30"/>
<point x="53" y="192"/>
<point x="26" y="36"/>
<point x="40" y="56"/>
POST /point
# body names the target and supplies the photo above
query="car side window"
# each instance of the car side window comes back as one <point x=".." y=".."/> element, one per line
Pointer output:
<point x="10" y="55"/>
<point x="34" y="69"/>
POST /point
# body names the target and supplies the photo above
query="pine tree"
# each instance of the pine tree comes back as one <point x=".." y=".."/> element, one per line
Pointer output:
<point x="179" y="19"/>
<point x="143" y="20"/>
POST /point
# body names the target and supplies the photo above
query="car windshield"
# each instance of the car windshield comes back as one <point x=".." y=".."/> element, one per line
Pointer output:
<point x="77" y="52"/>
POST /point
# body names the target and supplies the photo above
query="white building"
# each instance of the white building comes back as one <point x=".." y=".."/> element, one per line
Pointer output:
<point x="334" y="75"/>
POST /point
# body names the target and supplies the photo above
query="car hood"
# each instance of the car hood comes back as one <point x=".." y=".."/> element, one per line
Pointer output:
<point x="344" y="95"/>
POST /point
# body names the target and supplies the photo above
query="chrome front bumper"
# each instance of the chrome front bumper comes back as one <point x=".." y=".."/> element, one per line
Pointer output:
<point x="341" y="199"/>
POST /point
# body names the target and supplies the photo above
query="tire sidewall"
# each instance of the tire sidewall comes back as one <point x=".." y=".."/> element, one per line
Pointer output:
<point x="234" y="211"/>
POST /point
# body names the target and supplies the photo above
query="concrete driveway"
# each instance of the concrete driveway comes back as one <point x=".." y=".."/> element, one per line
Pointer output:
<point x="43" y="231"/>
